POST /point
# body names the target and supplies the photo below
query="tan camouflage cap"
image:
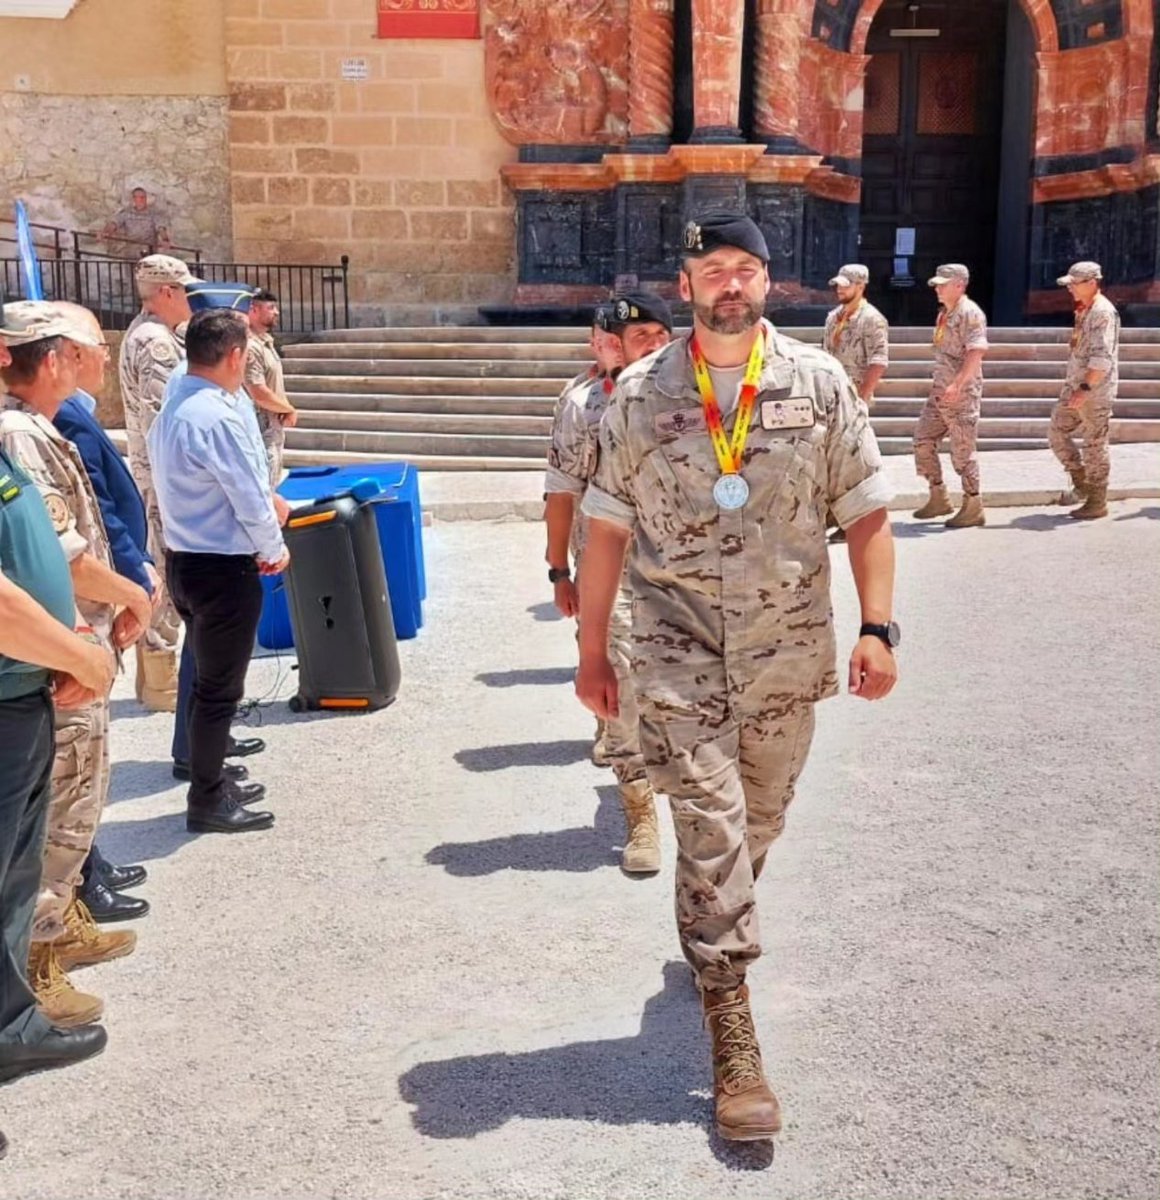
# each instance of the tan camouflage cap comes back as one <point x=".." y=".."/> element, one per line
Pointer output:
<point x="949" y="273"/>
<point x="1081" y="272"/>
<point x="851" y="275"/>
<point x="28" y="321"/>
<point x="164" y="268"/>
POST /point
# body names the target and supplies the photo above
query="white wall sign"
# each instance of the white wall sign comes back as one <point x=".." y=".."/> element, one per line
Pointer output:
<point x="355" y="68"/>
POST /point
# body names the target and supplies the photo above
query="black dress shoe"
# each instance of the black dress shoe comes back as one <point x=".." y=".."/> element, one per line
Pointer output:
<point x="108" y="906"/>
<point x="233" y="771"/>
<point x="3" y="1147"/>
<point x="244" y="747"/>
<point x="116" y="879"/>
<point x="247" y="793"/>
<point x="227" y="815"/>
<point x="58" y="1048"/>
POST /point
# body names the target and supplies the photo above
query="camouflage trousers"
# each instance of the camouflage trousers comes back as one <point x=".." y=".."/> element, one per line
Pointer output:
<point x="959" y="422"/>
<point x="274" y="442"/>
<point x="163" y="631"/>
<point x="622" y="733"/>
<point x="729" y="783"/>
<point x="80" y="786"/>
<point x="1092" y="422"/>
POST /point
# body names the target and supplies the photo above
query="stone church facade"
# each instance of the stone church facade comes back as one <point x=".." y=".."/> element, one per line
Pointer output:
<point x="527" y="154"/>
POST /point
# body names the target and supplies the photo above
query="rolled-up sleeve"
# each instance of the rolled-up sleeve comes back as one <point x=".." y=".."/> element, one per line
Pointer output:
<point x="569" y="453"/>
<point x="611" y="495"/>
<point x="241" y="472"/>
<point x="856" y="483"/>
<point x="879" y="343"/>
<point x="975" y="332"/>
<point x="1102" y="342"/>
<point x="28" y="451"/>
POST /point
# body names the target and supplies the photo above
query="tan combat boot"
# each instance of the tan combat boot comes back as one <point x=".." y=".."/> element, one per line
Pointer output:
<point x="56" y="997"/>
<point x="157" y="679"/>
<point x="642" y="847"/>
<point x="969" y="515"/>
<point x="1078" y="490"/>
<point x="1093" y="507"/>
<point x="747" y="1109"/>
<point x="938" y="505"/>
<point x="84" y="944"/>
<point x="599" y="748"/>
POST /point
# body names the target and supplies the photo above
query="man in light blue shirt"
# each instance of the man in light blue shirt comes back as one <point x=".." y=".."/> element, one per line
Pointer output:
<point x="222" y="529"/>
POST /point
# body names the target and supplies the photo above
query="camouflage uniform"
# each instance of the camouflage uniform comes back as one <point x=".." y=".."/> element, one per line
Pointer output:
<point x="264" y="366"/>
<point x="145" y="228"/>
<point x="149" y="353"/>
<point x="1095" y="346"/>
<point x="732" y="632"/>
<point x="80" y="770"/>
<point x="572" y="458"/>
<point x="862" y="342"/>
<point x="965" y="330"/>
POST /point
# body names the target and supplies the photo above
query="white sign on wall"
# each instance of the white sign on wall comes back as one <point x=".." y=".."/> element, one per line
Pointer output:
<point x="355" y="69"/>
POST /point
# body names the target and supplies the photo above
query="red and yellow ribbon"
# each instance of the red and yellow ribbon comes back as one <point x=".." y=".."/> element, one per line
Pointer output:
<point x="1080" y="313"/>
<point x="729" y="452"/>
<point x="940" y="328"/>
<point x="840" y="324"/>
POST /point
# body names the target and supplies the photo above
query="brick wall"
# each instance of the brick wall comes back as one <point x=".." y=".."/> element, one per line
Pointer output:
<point x="400" y="171"/>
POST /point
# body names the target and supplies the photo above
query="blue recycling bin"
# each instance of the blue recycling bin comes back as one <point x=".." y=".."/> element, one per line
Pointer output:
<point x="399" y="517"/>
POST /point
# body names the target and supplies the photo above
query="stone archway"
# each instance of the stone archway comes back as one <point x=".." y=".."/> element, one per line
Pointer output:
<point x="1038" y="12"/>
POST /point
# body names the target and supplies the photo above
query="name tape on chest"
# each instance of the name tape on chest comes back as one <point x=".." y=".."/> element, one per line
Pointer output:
<point x="794" y="412"/>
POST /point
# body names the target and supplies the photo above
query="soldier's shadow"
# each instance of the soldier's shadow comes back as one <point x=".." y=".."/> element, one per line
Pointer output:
<point x="524" y="754"/>
<point x="660" y="1076"/>
<point x="586" y="849"/>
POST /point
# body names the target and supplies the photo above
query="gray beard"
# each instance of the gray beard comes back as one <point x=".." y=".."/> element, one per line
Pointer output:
<point x="733" y="323"/>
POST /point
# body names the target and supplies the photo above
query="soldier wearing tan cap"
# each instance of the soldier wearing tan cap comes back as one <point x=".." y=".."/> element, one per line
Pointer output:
<point x="1089" y="391"/>
<point x="152" y="347"/>
<point x="956" y="397"/>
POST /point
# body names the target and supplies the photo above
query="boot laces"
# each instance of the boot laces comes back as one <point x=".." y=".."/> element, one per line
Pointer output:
<point x="49" y="978"/>
<point x="740" y="1054"/>
<point x="80" y="923"/>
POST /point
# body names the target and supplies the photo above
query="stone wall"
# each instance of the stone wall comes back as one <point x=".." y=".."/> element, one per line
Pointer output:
<point x="400" y="170"/>
<point x="73" y="160"/>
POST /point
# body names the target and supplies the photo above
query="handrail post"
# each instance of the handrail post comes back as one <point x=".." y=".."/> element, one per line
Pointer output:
<point x="79" y="297"/>
<point x="345" y="260"/>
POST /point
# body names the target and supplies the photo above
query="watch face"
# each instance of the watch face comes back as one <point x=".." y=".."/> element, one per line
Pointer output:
<point x="893" y="633"/>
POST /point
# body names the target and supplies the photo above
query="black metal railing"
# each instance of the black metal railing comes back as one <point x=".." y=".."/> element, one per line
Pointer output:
<point x="312" y="297"/>
<point x="56" y="242"/>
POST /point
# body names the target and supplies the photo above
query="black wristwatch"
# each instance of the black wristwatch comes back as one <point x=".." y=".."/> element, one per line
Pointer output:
<point x="1085" y="387"/>
<point x="555" y="574"/>
<point x="889" y="633"/>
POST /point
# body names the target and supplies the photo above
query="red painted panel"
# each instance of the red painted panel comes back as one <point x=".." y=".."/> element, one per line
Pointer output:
<point x="429" y="18"/>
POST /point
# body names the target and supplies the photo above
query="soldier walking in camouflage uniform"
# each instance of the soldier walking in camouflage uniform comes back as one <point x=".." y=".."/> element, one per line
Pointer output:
<point x="956" y="397"/>
<point x="151" y="349"/>
<point x="858" y="336"/>
<point x="719" y="458"/>
<point x="642" y="323"/>
<point x="1089" y="391"/>
<point x="42" y="375"/>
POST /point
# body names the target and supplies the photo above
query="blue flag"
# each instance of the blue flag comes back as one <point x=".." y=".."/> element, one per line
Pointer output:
<point x="29" y="264"/>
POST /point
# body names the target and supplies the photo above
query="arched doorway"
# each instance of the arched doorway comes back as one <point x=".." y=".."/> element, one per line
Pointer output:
<point x="933" y="147"/>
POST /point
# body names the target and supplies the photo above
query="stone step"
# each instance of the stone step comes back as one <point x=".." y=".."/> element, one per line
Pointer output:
<point x="1023" y="389"/>
<point x="475" y="424"/>
<point x="1021" y="427"/>
<point x="490" y="445"/>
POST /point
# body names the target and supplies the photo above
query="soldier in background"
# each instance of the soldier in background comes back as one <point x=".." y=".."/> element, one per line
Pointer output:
<point x="719" y="457"/>
<point x="1089" y="391"/>
<point x="642" y="323"/>
<point x="956" y="397"/>
<point x="153" y="346"/>
<point x="144" y="227"/>
<point x="112" y="610"/>
<point x="858" y="336"/>
<point x="265" y="383"/>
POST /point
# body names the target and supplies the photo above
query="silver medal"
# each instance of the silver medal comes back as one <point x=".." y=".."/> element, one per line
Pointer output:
<point x="731" y="492"/>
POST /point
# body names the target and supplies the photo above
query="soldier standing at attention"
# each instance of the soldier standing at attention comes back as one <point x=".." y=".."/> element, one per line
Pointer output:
<point x="152" y="347"/>
<point x="139" y="224"/>
<point x="1089" y="391"/>
<point x="265" y="383"/>
<point x="560" y="513"/>
<point x="642" y="323"/>
<point x="960" y="342"/>
<point x="113" y="610"/>
<point x="858" y="336"/>
<point x="719" y="458"/>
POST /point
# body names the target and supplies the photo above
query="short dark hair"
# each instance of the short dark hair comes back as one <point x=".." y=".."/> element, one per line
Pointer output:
<point x="264" y="296"/>
<point x="26" y="360"/>
<point x="212" y="334"/>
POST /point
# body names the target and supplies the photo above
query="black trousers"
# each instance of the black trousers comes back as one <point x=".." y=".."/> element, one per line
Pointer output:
<point x="26" y="749"/>
<point x="219" y="597"/>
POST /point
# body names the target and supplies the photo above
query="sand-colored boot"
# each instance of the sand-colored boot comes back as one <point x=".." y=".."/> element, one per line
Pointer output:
<point x="938" y="504"/>
<point x="600" y="747"/>
<point x="747" y="1109"/>
<point x="1094" y="506"/>
<point x="84" y="943"/>
<point x="59" y="1002"/>
<point x="642" y="846"/>
<point x="969" y="515"/>
<point x="1077" y="493"/>
<point x="157" y="679"/>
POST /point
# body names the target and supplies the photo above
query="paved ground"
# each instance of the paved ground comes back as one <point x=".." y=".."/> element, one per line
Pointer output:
<point x="432" y="981"/>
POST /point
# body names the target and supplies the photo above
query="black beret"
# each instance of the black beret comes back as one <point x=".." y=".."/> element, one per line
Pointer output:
<point x="715" y="230"/>
<point x="602" y="315"/>
<point x="635" y="308"/>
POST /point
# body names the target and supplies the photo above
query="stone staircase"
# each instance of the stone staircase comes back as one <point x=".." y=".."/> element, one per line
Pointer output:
<point x="481" y="398"/>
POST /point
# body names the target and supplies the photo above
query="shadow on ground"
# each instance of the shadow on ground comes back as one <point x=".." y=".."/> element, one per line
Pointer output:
<point x="524" y="754"/>
<point x="1149" y="514"/>
<point x="545" y="612"/>
<point x="534" y="677"/>
<point x="578" y="850"/>
<point x="148" y="839"/>
<point x="134" y="779"/>
<point x="642" y="1080"/>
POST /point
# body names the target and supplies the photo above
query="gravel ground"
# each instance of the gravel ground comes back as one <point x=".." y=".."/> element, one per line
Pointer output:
<point x="431" y="979"/>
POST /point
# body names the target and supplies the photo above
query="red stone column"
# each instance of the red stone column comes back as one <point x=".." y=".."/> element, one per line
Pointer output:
<point x="650" y="86"/>
<point x="718" y="28"/>
<point x="780" y="31"/>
